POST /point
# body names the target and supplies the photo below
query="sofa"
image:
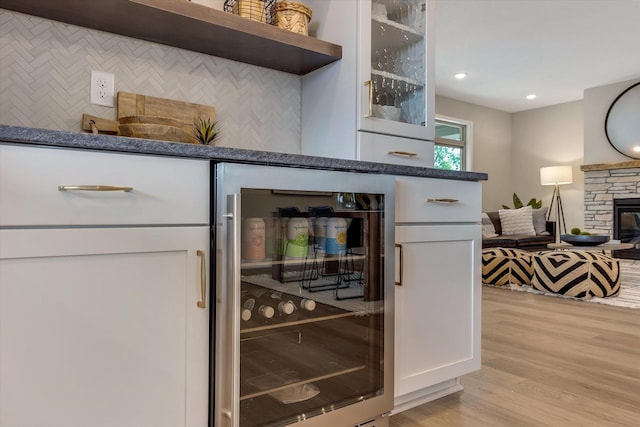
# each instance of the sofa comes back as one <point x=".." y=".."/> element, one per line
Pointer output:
<point x="526" y="242"/>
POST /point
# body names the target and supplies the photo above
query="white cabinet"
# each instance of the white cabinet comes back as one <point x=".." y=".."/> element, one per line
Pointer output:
<point x="383" y="85"/>
<point x="101" y="325"/>
<point x="438" y="292"/>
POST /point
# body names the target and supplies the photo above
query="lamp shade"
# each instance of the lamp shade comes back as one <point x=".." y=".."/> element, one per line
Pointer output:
<point x="556" y="175"/>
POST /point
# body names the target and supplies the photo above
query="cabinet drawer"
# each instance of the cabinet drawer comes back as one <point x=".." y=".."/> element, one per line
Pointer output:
<point x="390" y="149"/>
<point x="164" y="190"/>
<point x="437" y="200"/>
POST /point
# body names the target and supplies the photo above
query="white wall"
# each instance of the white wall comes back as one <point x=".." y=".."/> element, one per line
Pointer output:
<point x="550" y="136"/>
<point x="597" y="102"/>
<point x="491" y="147"/>
<point x="512" y="148"/>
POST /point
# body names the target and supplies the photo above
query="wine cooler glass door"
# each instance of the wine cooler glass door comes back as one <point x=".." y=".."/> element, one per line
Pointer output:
<point x="305" y="304"/>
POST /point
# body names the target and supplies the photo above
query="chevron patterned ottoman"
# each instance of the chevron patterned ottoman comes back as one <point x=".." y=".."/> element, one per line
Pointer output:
<point x="577" y="274"/>
<point x="502" y="266"/>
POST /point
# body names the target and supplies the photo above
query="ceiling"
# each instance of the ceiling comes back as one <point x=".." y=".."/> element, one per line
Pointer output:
<point x="553" y="48"/>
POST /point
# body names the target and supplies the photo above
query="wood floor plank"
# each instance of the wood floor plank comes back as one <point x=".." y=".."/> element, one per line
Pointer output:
<point x="545" y="362"/>
<point x="460" y="410"/>
<point x="542" y="411"/>
<point x="590" y="411"/>
<point x="589" y="382"/>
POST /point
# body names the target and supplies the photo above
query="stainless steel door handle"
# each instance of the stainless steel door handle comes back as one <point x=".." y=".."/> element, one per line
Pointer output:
<point x="233" y="233"/>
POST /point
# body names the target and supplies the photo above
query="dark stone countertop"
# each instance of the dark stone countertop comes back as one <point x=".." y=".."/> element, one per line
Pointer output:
<point x="79" y="140"/>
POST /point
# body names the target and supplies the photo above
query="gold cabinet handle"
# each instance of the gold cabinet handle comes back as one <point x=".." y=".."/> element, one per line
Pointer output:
<point x="399" y="282"/>
<point x="203" y="280"/>
<point x="443" y="200"/>
<point x="402" y="153"/>
<point x="370" y="113"/>
<point x="94" y="188"/>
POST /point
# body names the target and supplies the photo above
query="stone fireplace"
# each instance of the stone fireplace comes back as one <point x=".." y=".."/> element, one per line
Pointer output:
<point x="603" y="184"/>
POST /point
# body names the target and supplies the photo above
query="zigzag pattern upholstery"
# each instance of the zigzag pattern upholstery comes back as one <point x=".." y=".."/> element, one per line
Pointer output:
<point x="576" y="273"/>
<point x="503" y="266"/>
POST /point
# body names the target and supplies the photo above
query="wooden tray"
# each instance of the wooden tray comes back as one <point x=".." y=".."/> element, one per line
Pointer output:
<point x="154" y="131"/>
<point x="135" y="105"/>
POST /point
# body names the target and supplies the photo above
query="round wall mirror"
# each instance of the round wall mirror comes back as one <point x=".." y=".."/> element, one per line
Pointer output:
<point x="622" y="124"/>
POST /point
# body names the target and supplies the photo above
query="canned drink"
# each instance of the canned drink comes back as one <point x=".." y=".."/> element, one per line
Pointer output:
<point x="253" y="239"/>
<point x="297" y="237"/>
<point x="320" y="227"/>
<point x="282" y="236"/>
<point x="336" y="236"/>
<point x="271" y="239"/>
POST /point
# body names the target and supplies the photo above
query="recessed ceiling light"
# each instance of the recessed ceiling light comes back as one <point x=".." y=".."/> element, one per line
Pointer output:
<point x="460" y="76"/>
<point x="531" y="96"/>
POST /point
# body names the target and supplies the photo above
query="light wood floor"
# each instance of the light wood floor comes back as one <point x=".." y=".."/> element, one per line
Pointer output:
<point x="545" y="362"/>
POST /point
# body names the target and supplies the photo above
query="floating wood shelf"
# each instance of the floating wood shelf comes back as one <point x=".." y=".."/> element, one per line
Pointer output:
<point x="191" y="26"/>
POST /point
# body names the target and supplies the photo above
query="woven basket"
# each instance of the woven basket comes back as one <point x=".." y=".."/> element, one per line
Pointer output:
<point x="252" y="9"/>
<point x="293" y="16"/>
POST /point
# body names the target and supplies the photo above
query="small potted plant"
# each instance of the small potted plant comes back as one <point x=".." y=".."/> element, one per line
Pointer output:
<point x="517" y="203"/>
<point x="206" y="130"/>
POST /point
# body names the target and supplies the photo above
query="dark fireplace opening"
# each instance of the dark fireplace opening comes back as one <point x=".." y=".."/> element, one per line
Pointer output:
<point x="626" y="226"/>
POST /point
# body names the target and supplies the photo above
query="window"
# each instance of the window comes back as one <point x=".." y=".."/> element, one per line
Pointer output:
<point x="450" y="148"/>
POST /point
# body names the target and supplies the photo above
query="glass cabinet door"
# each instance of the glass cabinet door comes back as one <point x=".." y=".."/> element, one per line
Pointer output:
<point x="311" y="303"/>
<point x="397" y="81"/>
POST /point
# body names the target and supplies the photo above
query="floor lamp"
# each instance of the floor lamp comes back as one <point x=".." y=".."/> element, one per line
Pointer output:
<point x="556" y="176"/>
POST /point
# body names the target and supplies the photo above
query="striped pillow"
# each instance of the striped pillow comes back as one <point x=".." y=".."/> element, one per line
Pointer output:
<point x="517" y="221"/>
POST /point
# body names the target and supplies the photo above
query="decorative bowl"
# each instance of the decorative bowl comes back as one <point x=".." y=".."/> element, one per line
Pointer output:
<point x="152" y="120"/>
<point x="584" y="239"/>
<point x="388" y="112"/>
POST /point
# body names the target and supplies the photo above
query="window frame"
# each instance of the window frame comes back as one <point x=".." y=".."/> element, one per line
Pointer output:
<point x="465" y="144"/>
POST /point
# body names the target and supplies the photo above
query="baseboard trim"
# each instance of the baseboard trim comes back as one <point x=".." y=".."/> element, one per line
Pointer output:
<point x="420" y="397"/>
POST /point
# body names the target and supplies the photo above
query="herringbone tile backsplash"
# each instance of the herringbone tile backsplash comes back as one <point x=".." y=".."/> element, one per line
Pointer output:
<point x="45" y="69"/>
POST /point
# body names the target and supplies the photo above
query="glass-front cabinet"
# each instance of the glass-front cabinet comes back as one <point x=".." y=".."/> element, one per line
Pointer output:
<point x="377" y="103"/>
<point x="394" y="66"/>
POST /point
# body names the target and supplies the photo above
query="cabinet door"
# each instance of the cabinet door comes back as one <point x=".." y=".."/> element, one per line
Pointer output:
<point x="437" y="322"/>
<point x="396" y="68"/>
<point x="368" y="92"/>
<point x="101" y="327"/>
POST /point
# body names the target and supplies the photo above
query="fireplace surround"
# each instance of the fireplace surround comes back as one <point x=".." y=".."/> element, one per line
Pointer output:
<point x="626" y="225"/>
<point x="607" y="185"/>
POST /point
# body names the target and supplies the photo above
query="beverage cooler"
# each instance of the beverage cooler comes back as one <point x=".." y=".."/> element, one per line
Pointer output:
<point x="303" y="327"/>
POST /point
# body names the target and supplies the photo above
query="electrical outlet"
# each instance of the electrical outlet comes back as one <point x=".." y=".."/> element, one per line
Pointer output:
<point x="103" y="88"/>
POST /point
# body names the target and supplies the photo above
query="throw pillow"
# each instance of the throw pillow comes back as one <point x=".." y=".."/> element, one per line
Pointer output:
<point x="540" y="221"/>
<point x="517" y="221"/>
<point x="488" y="230"/>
